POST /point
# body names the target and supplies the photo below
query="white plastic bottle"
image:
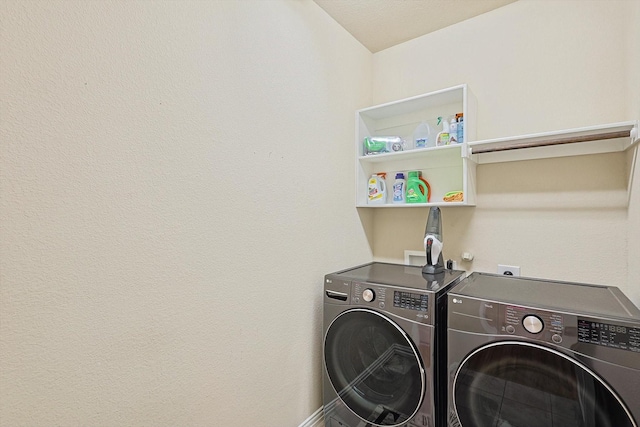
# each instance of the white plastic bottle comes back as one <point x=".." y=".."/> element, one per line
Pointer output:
<point x="422" y="136"/>
<point x="399" y="188"/>
<point x="443" y="137"/>
<point x="377" y="190"/>
<point x="453" y="131"/>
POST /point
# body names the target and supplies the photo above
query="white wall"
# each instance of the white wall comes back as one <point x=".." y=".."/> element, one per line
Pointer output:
<point x="149" y="149"/>
<point x="633" y="237"/>
<point x="533" y="66"/>
<point x="175" y="181"/>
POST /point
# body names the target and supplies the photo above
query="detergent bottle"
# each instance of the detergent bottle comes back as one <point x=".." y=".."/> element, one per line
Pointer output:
<point x="417" y="191"/>
<point x="427" y="186"/>
<point x="377" y="189"/>
<point x="399" y="188"/>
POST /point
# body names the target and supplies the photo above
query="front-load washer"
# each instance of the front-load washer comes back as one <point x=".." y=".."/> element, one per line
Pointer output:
<point x="384" y="333"/>
<point x="534" y="353"/>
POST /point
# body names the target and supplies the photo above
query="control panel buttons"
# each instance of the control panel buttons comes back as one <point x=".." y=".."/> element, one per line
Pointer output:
<point x="368" y="295"/>
<point x="510" y="329"/>
<point x="533" y="324"/>
<point x="411" y="301"/>
<point x="556" y="338"/>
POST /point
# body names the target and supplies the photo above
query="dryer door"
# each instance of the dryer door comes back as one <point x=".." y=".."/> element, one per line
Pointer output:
<point x="520" y="384"/>
<point x="374" y="367"/>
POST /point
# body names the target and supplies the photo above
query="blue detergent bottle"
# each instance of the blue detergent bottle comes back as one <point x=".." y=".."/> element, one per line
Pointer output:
<point x="399" y="188"/>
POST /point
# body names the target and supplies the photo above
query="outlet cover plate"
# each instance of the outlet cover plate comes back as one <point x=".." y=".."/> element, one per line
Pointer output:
<point x="506" y="269"/>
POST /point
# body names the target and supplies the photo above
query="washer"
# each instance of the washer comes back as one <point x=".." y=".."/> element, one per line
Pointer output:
<point x="384" y="330"/>
<point x="535" y="353"/>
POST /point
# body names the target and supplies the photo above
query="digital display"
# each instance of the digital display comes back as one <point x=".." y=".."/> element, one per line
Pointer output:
<point x="411" y="301"/>
<point x="609" y="335"/>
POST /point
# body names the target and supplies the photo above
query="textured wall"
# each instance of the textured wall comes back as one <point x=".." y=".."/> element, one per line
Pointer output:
<point x="633" y="237"/>
<point x="176" y="178"/>
<point x="533" y="67"/>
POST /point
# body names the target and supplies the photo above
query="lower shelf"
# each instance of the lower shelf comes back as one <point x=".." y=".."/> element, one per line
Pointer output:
<point x="415" y="205"/>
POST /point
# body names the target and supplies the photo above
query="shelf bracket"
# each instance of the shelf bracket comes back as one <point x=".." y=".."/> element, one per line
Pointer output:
<point x="465" y="151"/>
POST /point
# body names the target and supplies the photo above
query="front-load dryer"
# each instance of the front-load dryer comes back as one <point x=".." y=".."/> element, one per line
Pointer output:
<point x="384" y="336"/>
<point x="536" y="353"/>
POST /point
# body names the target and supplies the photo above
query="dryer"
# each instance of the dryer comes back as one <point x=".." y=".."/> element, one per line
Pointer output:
<point x="384" y="332"/>
<point x="535" y="353"/>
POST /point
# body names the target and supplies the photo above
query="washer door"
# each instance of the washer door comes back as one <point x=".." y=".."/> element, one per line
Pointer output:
<point x="519" y="384"/>
<point x="374" y="367"/>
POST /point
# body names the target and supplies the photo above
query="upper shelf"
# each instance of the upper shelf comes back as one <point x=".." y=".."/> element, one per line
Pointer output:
<point x="452" y="95"/>
<point x="587" y="140"/>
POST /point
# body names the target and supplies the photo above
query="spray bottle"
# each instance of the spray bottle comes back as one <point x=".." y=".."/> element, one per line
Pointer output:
<point x="453" y="131"/>
<point x="443" y="136"/>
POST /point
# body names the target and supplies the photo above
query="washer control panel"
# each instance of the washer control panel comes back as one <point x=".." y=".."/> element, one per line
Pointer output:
<point x="623" y="337"/>
<point x="369" y="293"/>
<point x="407" y="303"/>
<point x="410" y="300"/>
<point x="539" y="324"/>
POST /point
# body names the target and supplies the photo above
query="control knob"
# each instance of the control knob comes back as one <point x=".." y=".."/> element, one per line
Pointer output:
<point x="368" y="295"/>
<point x="532" y="324"/>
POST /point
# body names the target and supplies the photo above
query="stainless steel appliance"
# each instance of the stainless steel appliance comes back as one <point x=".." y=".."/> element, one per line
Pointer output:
<point x="535" y="353"/>
<point x="384" y="337"/>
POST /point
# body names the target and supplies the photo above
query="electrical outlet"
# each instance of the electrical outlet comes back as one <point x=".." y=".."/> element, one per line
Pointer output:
<point x="509" y="270"/>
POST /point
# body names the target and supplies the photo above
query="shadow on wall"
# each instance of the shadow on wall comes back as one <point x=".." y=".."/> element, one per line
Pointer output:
<point x="367" y="219"/>
<point x="576" y="183"/>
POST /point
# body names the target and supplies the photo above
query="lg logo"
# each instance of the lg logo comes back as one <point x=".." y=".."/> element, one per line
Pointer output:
<point x="457" y="301"/>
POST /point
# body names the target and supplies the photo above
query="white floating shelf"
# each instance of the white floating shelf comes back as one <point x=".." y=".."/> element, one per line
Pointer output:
<point x="414" y="205"/>
<point x="600" y="139"/>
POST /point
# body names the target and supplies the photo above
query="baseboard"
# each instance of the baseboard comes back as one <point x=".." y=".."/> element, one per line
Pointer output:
<point x="315" y="420"/>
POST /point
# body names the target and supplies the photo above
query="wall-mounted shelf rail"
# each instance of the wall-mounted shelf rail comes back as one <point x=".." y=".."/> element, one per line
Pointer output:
<point x="587" y="140"/>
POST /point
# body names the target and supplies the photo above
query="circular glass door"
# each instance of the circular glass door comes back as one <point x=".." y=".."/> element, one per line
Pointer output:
<point x="517" y="384"/>
<point x="374" y="367"/>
